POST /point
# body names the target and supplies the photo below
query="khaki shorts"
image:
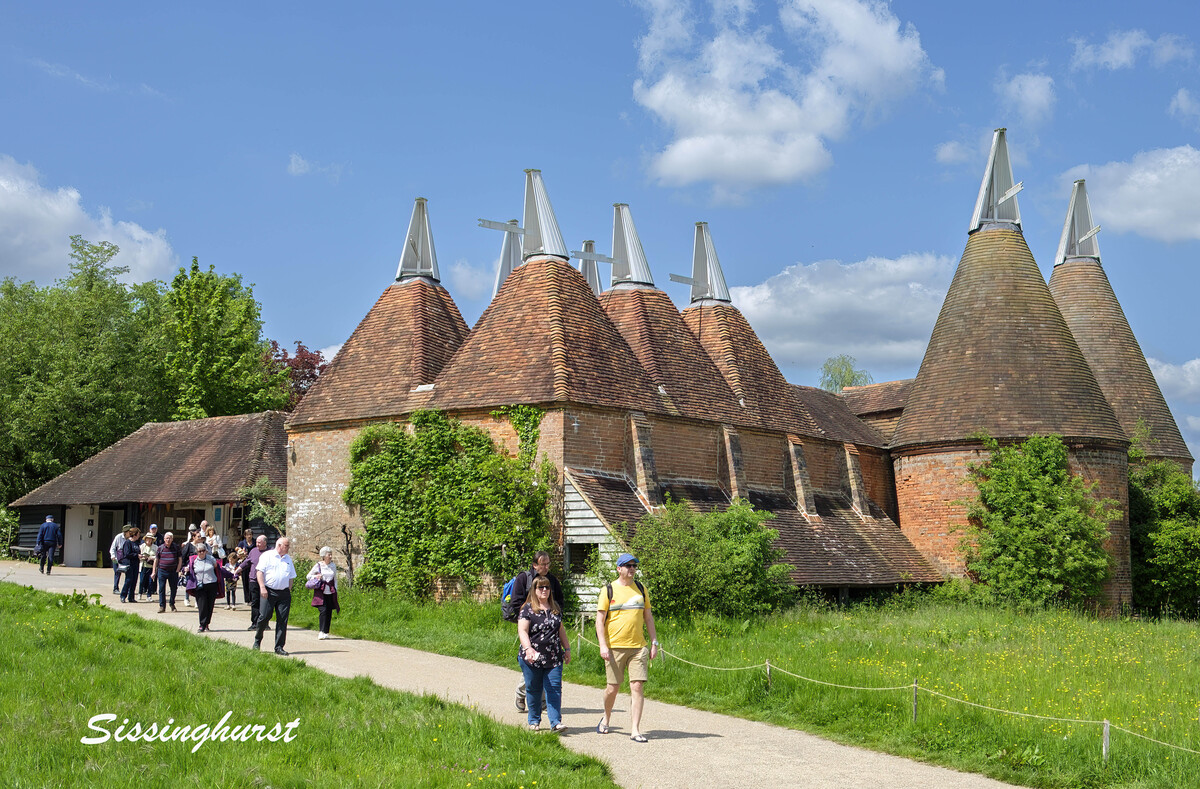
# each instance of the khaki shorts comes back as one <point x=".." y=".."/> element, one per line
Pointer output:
<point x="635" y="659"/>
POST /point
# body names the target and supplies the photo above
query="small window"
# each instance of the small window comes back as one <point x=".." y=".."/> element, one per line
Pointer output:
<point x="580" y="556"/>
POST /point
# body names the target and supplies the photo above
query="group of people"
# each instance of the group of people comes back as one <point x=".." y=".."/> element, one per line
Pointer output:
<point x="623" y="615"/>
<point x="208" y="573"/>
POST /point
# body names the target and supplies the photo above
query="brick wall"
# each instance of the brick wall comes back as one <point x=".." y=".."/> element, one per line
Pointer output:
<point x="877" y="474"/>
<point x="764" y="459"/>
<point x="686" y="450"/>
<point x="1109" y="468"/>
<point x="318" y="474"/>
<point x="826" y="464"/>
<point x="596" y="439"/>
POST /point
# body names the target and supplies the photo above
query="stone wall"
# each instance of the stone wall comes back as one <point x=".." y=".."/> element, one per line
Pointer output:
<point x="318" y="474"/>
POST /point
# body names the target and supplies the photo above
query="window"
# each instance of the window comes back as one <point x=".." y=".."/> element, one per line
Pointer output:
<point x="580" y="556"/>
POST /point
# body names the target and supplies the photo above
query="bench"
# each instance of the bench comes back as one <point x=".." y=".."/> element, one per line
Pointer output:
<point x="21" y="552"/>
<point x="24" y="547"/>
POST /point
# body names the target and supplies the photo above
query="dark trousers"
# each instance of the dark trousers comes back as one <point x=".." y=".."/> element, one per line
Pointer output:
<point x="279" y="601"/>
<point x="116" y="578"/>
<point x="252" y="598"/>
<point x="231" y="593"/>
<point x="167" y="578"/>
<point x="129" y="589"/>
<point x="46" y="559"/>
<point x="324" y="617"/>
<point x="206" y="595"/>
<point x="146" y="586"/>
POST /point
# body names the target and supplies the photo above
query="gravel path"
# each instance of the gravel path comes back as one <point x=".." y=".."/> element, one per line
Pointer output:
<point x="688" y="748"/>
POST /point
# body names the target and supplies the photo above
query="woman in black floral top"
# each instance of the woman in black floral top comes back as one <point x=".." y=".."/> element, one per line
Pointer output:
<point x="544" y="649"/>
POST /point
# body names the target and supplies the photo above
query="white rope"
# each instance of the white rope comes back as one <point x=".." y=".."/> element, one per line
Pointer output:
<point x="1008" y="712"/>
<point x="834" y="684"/>
<point x="1151" y="739"/>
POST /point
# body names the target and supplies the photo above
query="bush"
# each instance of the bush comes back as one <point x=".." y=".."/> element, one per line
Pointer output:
<point x="721" y="563"/>
<point x="1164" y="531"/>
<point x="1036" y="531"/>
<point x="443" y="501"/>
<point x="9" y="527"/>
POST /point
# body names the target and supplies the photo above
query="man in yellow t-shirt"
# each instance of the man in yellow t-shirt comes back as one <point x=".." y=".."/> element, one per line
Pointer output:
<point x="619" y="621"/>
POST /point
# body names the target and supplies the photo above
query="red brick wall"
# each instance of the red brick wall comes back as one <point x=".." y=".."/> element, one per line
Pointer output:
<point x="1109" y="468"/>
<point x="764" y="459"/>
<point x="826" y="464"/>
<point x="686" y="450"/>
<point x="877" y="474"/>
<point x="318" y="474"/>
<point x="599" y="441"/>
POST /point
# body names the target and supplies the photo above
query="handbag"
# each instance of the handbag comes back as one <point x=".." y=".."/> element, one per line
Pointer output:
<point x="122" y="568"/>
<point x="313" y="583"/>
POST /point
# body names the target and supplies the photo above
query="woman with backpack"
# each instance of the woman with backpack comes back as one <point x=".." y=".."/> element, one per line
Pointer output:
<point x="545" y="647"/>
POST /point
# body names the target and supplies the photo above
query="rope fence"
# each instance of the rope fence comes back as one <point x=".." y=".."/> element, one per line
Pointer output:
<point x="916" y="689"/>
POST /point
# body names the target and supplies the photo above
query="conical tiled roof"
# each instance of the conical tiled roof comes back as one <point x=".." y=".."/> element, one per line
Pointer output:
<point x="1087" y="302"/>
<point x="670" y="353"/>
<point x="746" y="366"/>
<point x="402" y="343"/>
<point x="1001" y="358"/>
<point x="545" y="339"/>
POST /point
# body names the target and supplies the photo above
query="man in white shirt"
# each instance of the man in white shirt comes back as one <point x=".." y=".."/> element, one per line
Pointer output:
<point x="275" y="573"/>
<point x="113" y="551"/>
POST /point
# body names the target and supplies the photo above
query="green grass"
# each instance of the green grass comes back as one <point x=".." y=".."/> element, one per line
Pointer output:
<point x="65" y="660"/>
<point x="1141" y="675"/>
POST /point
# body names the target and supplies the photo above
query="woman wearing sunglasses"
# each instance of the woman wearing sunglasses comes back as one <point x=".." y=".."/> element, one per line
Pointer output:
<point x="544" y="649"/>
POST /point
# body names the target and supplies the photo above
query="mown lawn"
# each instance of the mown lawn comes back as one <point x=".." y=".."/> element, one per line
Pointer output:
<point x="65" y="661"/>
<point x="1143" y="676"/>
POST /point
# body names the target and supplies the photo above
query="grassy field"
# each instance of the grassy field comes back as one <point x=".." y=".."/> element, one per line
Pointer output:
<point x="66" y="661"/>
<point x="1143" y="676"/>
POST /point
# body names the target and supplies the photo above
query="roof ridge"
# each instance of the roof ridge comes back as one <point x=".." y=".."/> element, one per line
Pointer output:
<point x="260" y="443"/>
<point x="558" y="338"/>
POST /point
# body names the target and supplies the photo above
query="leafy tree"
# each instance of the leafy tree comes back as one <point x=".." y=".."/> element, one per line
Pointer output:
<point x="1036" y="531"/>
<point x="217" y="361"/>
<point x="1164" y="530"/>
<point x="442" y="500"/>
<point x="722" y="563"/>
<point x="839" y="371"/>
<point x="265" y="501"/>
<point x="303" y="368"/>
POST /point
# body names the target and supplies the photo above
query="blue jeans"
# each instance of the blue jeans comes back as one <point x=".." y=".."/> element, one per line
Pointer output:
<point x="167" y="578"/>
<point x="538" y="680"/>
<point x="146" y="586"/>
<point x="129" y="590"/>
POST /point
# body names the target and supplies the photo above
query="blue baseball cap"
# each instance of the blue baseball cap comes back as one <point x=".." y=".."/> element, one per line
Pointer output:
<point x="626" y="558"/>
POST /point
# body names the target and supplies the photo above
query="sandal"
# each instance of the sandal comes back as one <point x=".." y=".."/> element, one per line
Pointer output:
<point x="602" y="727"/>
<point x="559" y="727"/>
<point x="638" y="737"/>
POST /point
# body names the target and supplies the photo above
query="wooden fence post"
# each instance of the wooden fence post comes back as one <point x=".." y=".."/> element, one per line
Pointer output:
<point x="914" y="701"/>
<point x="1104" y="747"/>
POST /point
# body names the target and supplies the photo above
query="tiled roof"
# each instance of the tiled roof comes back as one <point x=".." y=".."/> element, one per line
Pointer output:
<point x="1001" y="358"/>
<point x="747" y="367"/>
<point x="1087" y="302"/>
<point x="842" y="549"/>
<point x="545" y="339"/>
<point x="669" y="352"/>
<point x="878" y="398"/>
<point x="835" y="419"/>
<point x="198" y="460"/>
<point x="612" y="498"/>
<point x="403" y="342"/>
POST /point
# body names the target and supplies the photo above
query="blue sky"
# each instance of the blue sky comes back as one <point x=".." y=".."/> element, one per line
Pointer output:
<point x="834" y="146"/>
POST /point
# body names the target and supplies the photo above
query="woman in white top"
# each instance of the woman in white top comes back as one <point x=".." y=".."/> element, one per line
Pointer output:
<point x="206" y="581"/>
<point x="322" y="579"/>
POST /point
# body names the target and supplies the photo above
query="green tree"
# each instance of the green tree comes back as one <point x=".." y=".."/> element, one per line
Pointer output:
<point x="217" y="361"/>
<point x="265" y="501"/>
<point x="443" y="500"/>
<point x="1164" y="531"/>
<point x="723" y="563"/>
<point x="1036" y="530"/>
<point x="840" y="371"/>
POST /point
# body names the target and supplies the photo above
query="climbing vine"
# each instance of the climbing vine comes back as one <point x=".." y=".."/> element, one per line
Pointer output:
<point x="527" y="421"/>
<point x="443" y="500"/>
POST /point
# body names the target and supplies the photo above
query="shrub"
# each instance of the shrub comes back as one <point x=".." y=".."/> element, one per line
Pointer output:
<point x="1164" y="530"/>
<point x="1036" y="531"/>
<point x="9" y="528"/>
<point x="443" y="501"/>
<point x="720" y="563"/>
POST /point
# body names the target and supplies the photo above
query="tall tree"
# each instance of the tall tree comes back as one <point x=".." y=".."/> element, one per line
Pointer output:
<point x="303" y="369"/>
<point x="217" y="361"/>
<point x="840" y="371"/>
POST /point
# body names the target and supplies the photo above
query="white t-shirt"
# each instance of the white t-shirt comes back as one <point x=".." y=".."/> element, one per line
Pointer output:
<point x="278" y="571"/>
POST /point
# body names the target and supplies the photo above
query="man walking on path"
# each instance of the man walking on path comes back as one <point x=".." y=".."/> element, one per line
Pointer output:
<point x="251" y="575"/>
<point x="49" y="540"/>
<point x="540" y="569"/>
<point x="623" y="607"/>
<point x="275" y="574"/>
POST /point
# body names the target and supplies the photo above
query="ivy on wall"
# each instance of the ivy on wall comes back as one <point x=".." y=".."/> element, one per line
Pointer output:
<point x="527" y="421"/>
<point x="442" y="500"/>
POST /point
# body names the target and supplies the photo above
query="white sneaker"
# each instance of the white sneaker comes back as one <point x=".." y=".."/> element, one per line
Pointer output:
<point x="322" y="636"/>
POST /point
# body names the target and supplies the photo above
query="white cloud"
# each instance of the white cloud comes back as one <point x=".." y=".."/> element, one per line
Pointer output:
<point x="330" y="351"/>
<point x="1122" y="49"/>
<point x="879" y="310"/>
<point x="740" y="109"/>
<point x="1030" y="96"/>
<point x="952" y="152"/>
<point x="1184" y="106"/>
<point x="299" y="166"/>
<point x="469" y="282"/>
<point x="1178" y="381"/>
<point x="1192" y="423"/>
<point x="1156" y="195"/>
<point x="36" y="224"/>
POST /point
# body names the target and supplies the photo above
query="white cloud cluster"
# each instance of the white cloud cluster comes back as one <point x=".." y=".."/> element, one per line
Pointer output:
<point x="1122" y="49"/>
<point x="1178" y="381"/>
<point x="1185" y="107"/>
<point x="299" y="166"/>
<point x="741" y="110"/>
<point x="1156" y="194"/>
<point x="36" y="224"/>
<point x="1029" y="95"/>
<point x="879" y="310"/>
<point x="469" y="282"/>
